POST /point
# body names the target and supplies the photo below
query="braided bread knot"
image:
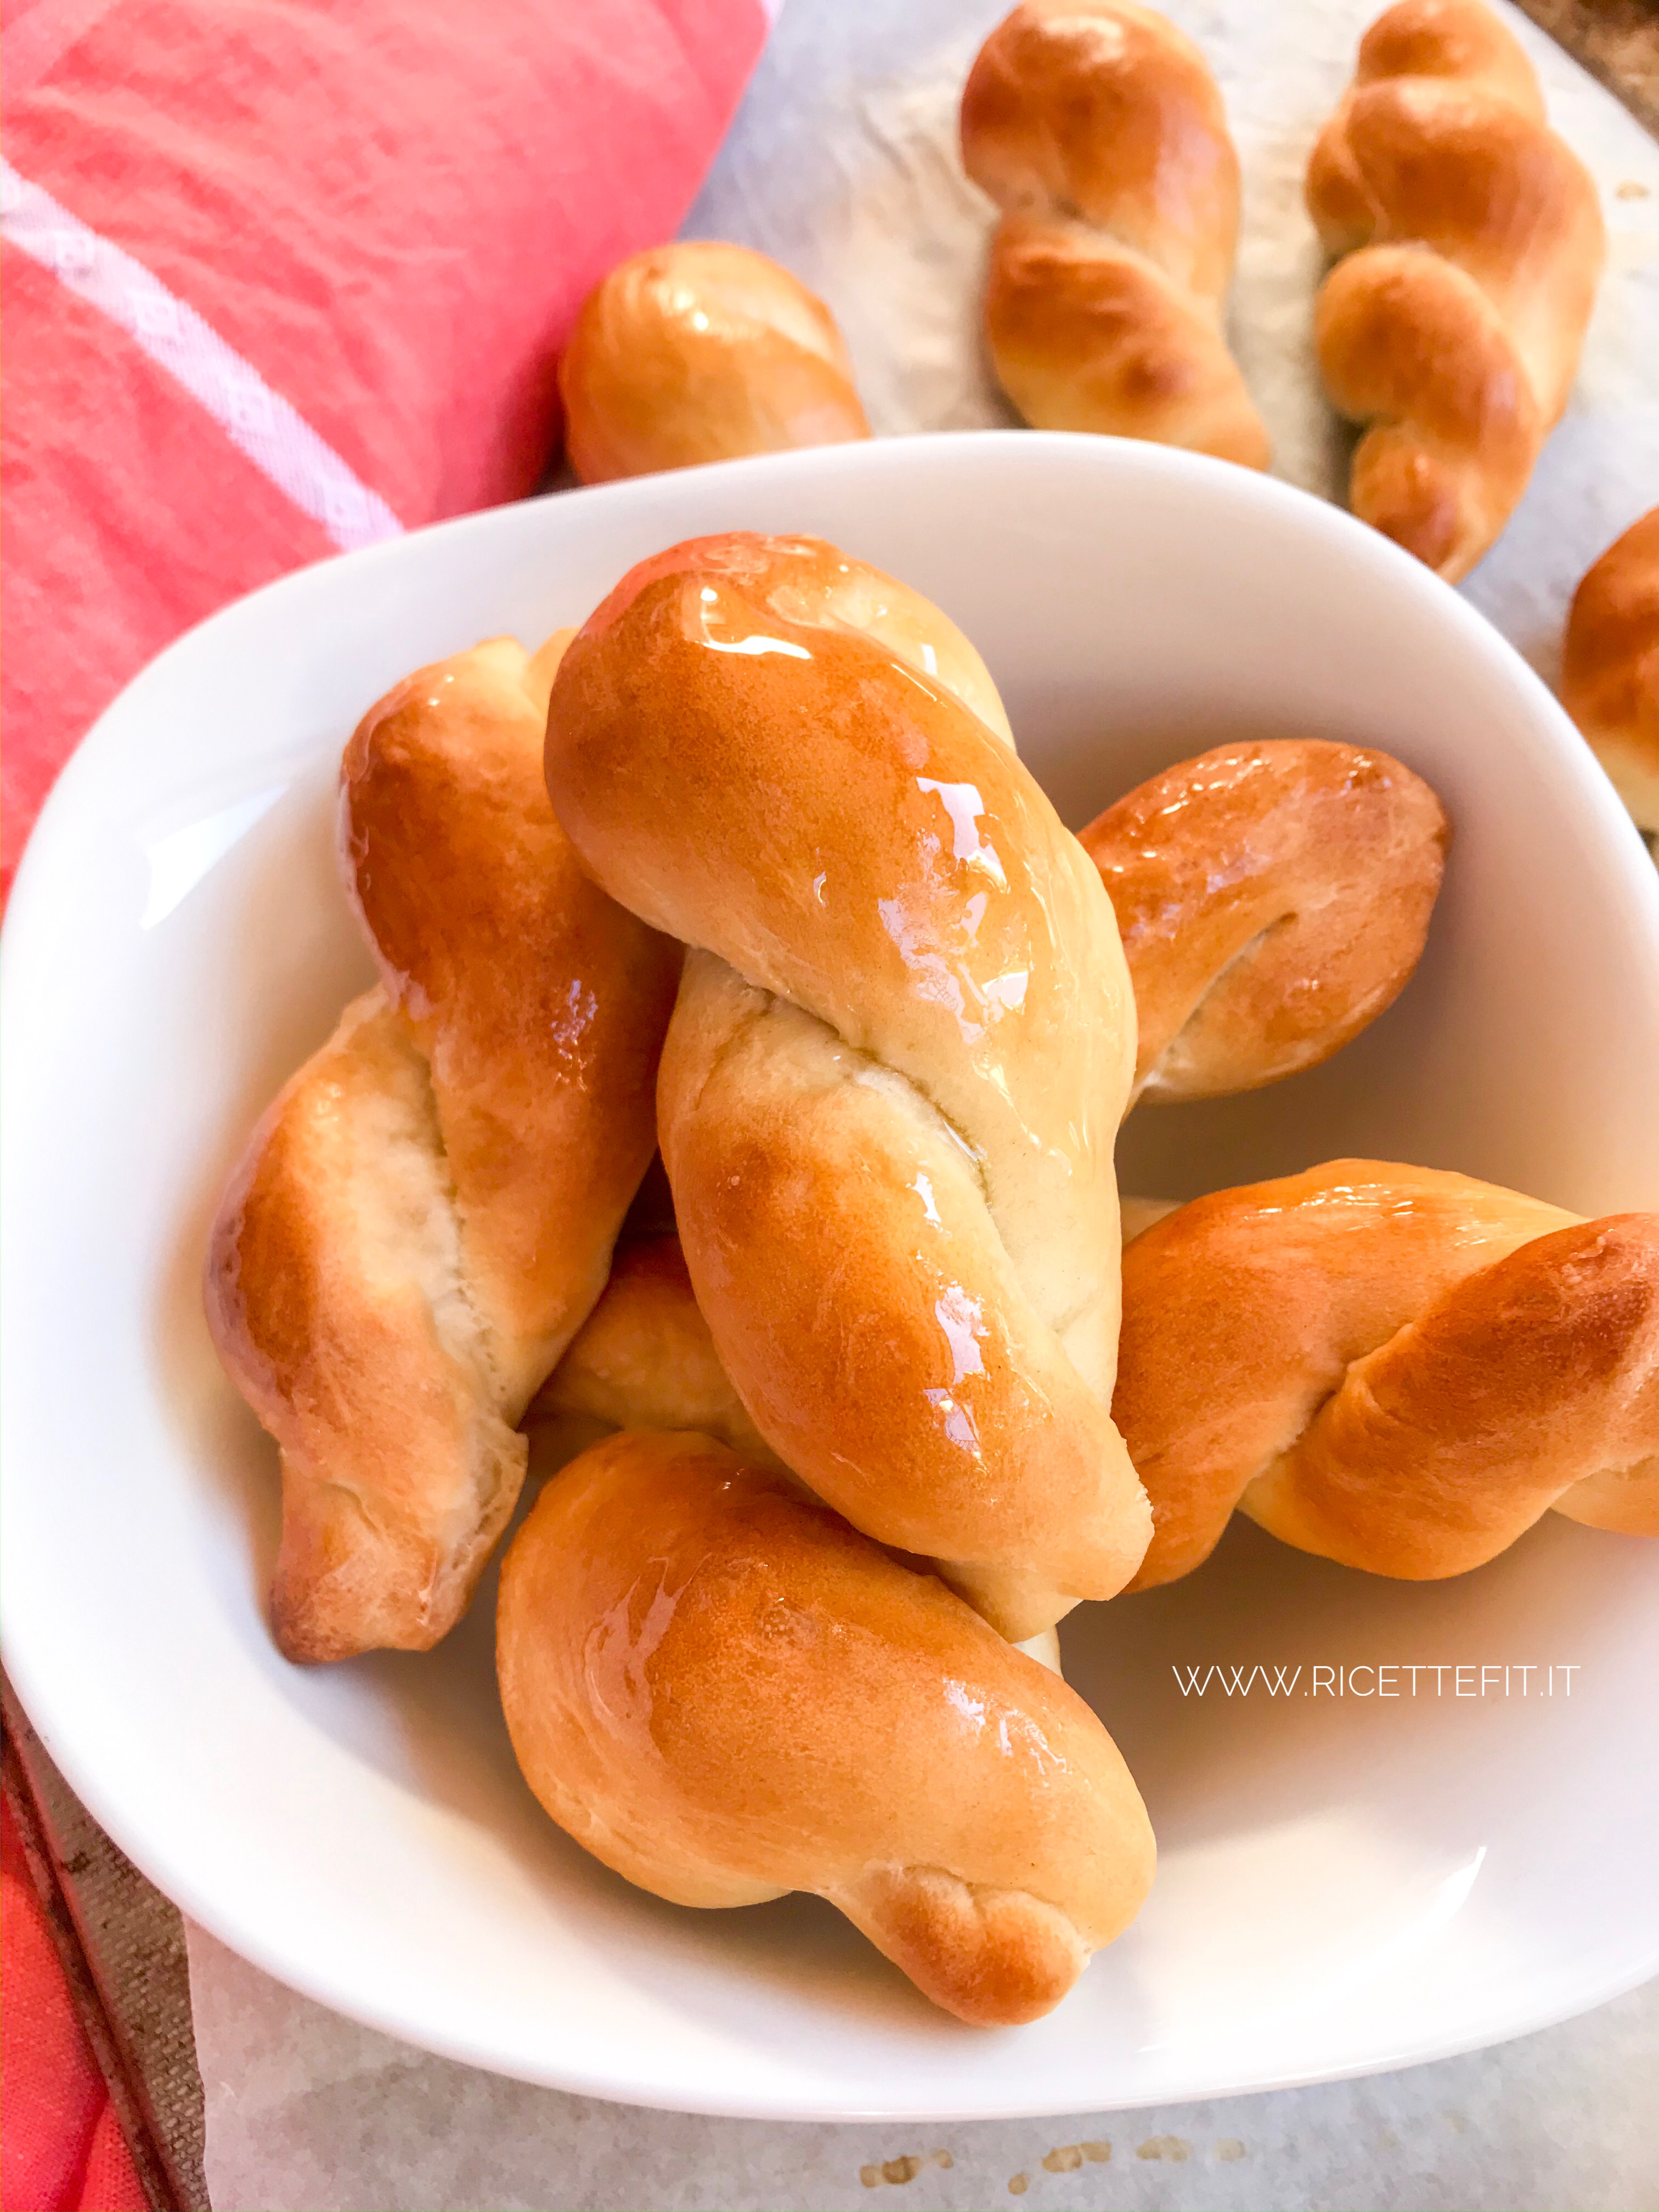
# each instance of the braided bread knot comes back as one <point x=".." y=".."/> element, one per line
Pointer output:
<point x="1471" y="244"/>
<point x="1096" y="128"/>
<point x="424" y="1217"/>
<point x="1397" y="1368"/>
<point x="903" y="1045"/>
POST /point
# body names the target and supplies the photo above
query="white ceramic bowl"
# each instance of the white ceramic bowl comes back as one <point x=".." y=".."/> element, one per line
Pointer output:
<point x="1346" y="1883"/>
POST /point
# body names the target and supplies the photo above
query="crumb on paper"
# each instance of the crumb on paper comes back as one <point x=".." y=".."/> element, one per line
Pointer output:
<point x="1065" y="2157"/>
<point x="1230" y="2148"/>
<point x="1165" y="2147"/>
<point x="894" y="2172"/>
<point x="1631" y="189"/>
<point x="1018" y="2183"/>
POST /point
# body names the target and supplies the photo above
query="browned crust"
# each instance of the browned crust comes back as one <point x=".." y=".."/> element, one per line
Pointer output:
<point x="1096" y="127"/>
<point x="1449" y="1441"/>
<point x="699" y="351"/>
<point x="537" y="1002"/>
<point x="1470" y="243"/>
<point x="1393" y="1366"/>
<point x="1273" y="898"/>
<point x="398" y="1471"/>
<point x="725" y="1693"/>
<point x="1610" y="664"/>
<point x="423" y="1219"/>
<point x="644" y="1358"/>
<point x="768" y="751"/>
<point x="870" y="1320"/>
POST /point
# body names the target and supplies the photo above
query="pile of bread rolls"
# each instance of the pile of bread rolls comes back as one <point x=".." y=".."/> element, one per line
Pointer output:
<point x="749" y="868"/>
<point x="1466" y="244"/>
<point x="842" y="1407"/>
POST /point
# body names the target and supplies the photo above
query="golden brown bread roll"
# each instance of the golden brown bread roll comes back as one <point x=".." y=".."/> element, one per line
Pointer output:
<point x="902" y="1047"/>
<point x="1390" y="1366"/>
<point x="1272" y="898"/>
<point x="644" y="1360"/>
<point x="1096" y="128"/>
<point x="421" y="1222"/>
<point x="1468" y="243"/>
<point x="725" y="1693"/>
<point x="1610" y="665"/>
<point x="701" y="352"/>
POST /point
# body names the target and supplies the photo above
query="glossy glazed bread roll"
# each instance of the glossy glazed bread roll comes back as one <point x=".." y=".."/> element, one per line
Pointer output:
<point x="644" y="1360"/>
<point x="421" y="1221"/>
<point x="1096" y="128"/>
<point x="701" y="352"/>
<point x="1273" y="898"/>
<point x="725" y="1693"/>
<point x="1392" y="1367"/>
<point x="901" y="1047"/>
<point x="1610" y="665"/>
<point x="1468" y="243"/>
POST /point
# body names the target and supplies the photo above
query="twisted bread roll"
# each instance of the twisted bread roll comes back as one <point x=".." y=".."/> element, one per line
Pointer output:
<point x="902" y="1049"/>
<point x="1096" y="128"/>
<point x="644" y="1360"/>
<point x="1390" y="1366"/>
<point x="1469" y="242"/>
<point x="421" y="1221"/>
<point x="1610" y="665"/>
<point x="725" y="1694"/>
<point x="1273" y="898"/>
<point x="701" y="352"/>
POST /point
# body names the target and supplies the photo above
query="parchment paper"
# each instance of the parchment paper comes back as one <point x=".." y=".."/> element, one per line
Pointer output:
<point x="843" y="166"/>
<point x="307" y="2112"/>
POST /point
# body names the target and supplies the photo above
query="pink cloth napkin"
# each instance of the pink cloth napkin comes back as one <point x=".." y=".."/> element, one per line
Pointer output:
<point x="281" y="277"/>
<point x="61" y="2148"/>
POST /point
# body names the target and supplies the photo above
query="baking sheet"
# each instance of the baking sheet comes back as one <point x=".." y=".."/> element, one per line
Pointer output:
<point x="843" y="165"/>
